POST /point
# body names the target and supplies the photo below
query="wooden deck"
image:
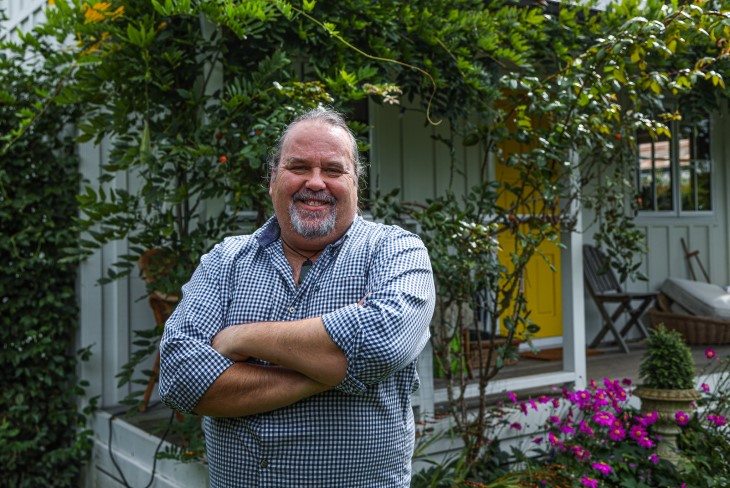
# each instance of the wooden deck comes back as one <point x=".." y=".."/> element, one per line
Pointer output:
<point x="607" y="362"/>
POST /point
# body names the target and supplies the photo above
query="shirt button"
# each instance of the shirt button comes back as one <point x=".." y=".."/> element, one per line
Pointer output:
<point x="292" y="309"/>
<point x="264" y="463"/>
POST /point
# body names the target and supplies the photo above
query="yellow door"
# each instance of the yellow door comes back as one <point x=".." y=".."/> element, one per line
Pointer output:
<point x="542" y="285"/>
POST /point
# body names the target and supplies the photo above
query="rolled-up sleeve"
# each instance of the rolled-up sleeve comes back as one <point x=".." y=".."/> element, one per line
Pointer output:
<point x="188" y="364"/>
<point x="391" y="328"/>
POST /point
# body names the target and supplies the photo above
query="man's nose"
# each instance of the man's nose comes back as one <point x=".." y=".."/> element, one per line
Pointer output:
<point x="315" y="182"/>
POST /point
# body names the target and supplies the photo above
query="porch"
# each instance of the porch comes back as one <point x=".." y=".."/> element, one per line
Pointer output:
<point x="134" y="440"/>
<point x="603" y="362"/>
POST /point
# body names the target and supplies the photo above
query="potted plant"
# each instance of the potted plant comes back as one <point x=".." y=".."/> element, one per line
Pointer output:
<point x="667" y="375"/>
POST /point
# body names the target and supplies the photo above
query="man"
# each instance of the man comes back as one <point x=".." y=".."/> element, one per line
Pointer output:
<point x="299" y="343"/>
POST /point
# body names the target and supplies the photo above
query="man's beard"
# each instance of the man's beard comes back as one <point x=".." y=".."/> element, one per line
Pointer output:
<point x="310" y="224"/>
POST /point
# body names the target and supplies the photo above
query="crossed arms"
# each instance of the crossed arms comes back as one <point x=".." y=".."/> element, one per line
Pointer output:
<point x="309" y="362"/>
<point x="349" y="348"/>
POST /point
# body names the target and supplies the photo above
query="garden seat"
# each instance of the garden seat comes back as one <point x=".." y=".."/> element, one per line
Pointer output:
<point x="605" y="289"/>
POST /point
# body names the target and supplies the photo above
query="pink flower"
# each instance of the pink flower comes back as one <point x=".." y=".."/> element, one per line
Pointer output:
<point x="645" y="442"/>
<point x="589" y="482"/>
<point x="649" y="418"/>
<point x="515" y="426"/>
<point x="602" y="467"/>
<point x="581" y="454"/>
<point x="626" y="382"/>
<point x="654" y="458"/>
<point x="554" y="419"/>
<point x="617" y="433"/>
<point x="681" y="418"/>
<point x="604" y="418"/>
<point x="718" y="420"/>
<point x="537" y="440"/>
<point x="553" y="439"/>
<point x="710" y="353"/>
<point x="567" y="429"/>
<point x="585" y="428"/>
<point x="512" y="396"/>
<point x="637" y="432"/>
<point x="705" y="387"/>
<point x="543" y="399"/>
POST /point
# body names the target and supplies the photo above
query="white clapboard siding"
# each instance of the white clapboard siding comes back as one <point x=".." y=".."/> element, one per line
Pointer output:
<point x="22" y="15"/>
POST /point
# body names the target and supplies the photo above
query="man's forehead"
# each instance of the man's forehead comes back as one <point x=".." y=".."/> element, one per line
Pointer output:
<point x="308" y="135"/>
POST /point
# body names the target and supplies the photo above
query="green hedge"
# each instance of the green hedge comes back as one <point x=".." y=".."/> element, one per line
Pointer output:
<point x="43" y="441"/>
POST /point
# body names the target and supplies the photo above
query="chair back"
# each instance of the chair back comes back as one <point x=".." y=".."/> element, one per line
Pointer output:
<point x="598" y="275"/>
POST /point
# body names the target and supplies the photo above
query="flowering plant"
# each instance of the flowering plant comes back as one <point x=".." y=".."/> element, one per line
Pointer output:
<point x="597" y="438"/>
<point x="706" y="439"/>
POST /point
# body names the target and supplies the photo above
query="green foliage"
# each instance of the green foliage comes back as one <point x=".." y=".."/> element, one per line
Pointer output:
<point x="667" y="362"/>
<point x="43" y="436"/>
<point x="704" y="442"/>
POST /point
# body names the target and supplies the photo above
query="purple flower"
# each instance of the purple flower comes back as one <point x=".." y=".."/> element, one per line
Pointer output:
<point x="567" y="429"/>
<point x="604" y="418"/>
<point x="543" y="399"/>
<point x="602" y="467"/>
<point x="589" y="482"/>
<point x="554" y="441"/>
<point x="537" y="440"/>
<point x="705" y="387"/>
<point x="515" y="426"/>
<point x="681" y="418"/>
<point x="626" y="382"/>
<point x="649" y="418"/>
<point x="645" y="442"/>
<point x="585" y="428"/>
<point x="617" y="433"/>
<point x="718" y="420"/>
<point x="710" y="353"/>
<point x="512" y="396"/>
<point x="654" y="458"/>
<point x="580" y="453"/>
<point x="554" y="419"/>
<point x="637" y="432"/>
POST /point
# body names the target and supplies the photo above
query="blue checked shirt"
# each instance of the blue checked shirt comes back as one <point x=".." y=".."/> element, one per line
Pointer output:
<point x="360" y="433"/>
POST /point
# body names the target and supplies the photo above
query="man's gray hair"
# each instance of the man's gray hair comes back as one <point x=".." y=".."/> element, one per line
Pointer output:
<point x="327" y="116"/>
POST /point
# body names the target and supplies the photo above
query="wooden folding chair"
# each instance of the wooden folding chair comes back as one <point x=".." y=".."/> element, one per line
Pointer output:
<point x="605" y="289"/>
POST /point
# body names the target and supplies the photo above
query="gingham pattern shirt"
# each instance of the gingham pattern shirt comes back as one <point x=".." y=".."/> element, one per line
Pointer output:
<point x="361" y="433"/>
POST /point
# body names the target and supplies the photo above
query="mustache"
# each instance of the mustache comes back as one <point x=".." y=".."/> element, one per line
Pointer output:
<point x="322" y="195"/>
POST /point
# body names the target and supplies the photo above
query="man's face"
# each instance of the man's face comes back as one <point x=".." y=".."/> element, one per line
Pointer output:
<point x="314" y="190"/>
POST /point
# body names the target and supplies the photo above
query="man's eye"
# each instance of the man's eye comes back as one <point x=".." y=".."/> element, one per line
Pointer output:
<point x="333" y="172"/>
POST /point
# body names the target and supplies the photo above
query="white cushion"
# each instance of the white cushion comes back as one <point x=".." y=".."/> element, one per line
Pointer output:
<point x="703" y="299"/>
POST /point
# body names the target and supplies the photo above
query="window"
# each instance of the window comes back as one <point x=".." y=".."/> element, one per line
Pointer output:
<point x="675" y="175"/>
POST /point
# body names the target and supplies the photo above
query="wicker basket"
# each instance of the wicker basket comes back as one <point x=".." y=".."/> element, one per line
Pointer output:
<point x="695" y="329"/>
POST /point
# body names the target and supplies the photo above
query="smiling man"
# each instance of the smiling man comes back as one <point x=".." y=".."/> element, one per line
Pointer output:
<point x="299" y="343"/>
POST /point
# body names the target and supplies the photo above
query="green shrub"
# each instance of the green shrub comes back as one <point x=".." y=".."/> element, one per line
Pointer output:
<point x="42" y="437"/>
<point x="667" y="362"/>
